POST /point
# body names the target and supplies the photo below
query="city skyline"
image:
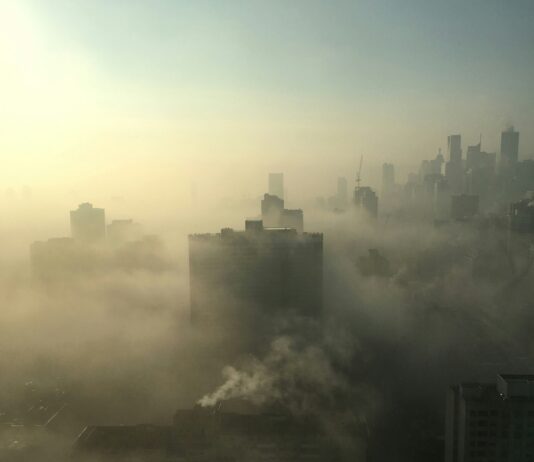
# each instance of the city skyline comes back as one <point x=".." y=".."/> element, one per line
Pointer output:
<point x="238" y="230"/>
<point x="162" y="86"/>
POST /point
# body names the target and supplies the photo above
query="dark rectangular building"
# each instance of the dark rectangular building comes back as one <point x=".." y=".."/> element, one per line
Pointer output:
<point x="366" y="199"/>
<point x="491" y="422"/>
<point x="454" y="145"/>
<point x="509" y="148"/>
<point x="273" y="269"/>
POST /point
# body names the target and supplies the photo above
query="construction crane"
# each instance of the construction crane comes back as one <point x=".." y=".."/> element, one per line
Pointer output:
<point x="359" y="175"/>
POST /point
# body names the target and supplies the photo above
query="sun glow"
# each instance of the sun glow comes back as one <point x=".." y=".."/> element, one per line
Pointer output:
<point x="39" y="80"/>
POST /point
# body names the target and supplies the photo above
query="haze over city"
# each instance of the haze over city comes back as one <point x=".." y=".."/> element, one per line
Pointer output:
<point x="238" y="230"/>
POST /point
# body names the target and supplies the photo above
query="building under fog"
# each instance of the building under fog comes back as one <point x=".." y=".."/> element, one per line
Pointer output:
<point x="491" y="421"/>
<point x="122" y="231"/>
<point x="522" y="216"/>
<point x="430" y="167"/>
<point x="442" y="200"/>
<point x="463" y="207"/>
<point x="388" y="180"/>
<point x="216" y="434"/>
<point x="62" y="258"/>
<point x="271" y="269"/>
<point x="509" y="150"/>
<point x="274" y="215"/>
<point x="341" y="193"/>
<point x="366" y="200"/>
<point x="454" y="169"/>
<point x="88" y="224"/>
<point x="480" y="175"/>
<point x="454" y="148"/>
<point x="339" y="201"/>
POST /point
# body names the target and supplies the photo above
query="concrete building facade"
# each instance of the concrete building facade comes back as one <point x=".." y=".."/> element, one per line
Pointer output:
<point x="88" y="224"/>
<point x="272" y="269"/>
<point x="491" y="422"/>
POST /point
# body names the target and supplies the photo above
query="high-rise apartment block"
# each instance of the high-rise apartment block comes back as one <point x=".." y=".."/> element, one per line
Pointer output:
<point x="522" y="216"/>
<point x="491" y="422"/>
<point x="366" y="199"/>
<point x="271" y="269"/>
<point x="454" y="145"/>
<point x="342" y="192"/>
<point x="509" y="149"/>
<point x="454" y="169"/>
<point x="88" y="224"/>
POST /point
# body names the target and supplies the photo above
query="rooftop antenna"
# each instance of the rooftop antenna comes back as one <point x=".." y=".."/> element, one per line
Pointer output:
<point x="359" y="175"/>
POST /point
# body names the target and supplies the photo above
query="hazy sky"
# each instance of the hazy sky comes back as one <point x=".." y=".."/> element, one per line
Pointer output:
<point x="130" y="92"/>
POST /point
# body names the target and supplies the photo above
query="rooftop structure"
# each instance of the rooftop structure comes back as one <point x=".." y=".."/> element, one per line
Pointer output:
<point x="274" y="215"/>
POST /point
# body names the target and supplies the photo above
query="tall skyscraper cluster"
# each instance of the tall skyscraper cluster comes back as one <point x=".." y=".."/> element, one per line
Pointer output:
<point x="478" y="182"/>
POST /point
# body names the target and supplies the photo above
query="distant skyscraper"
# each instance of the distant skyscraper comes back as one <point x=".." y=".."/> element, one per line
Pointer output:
<point x="480" y="175"/>
<point x="366" y="199"/>
<point x="473" y="152"/>
<point x="388" y="179"/>
<point x="438" y="162"/>
<point x="491" y="421"/>
<point x="276" y="184"/>
<point x="424" y="170"/>
<point x="454" y="172"/>
<point x="454" y="145"/>
<point x="274" y="215"/>
<point x="342" y="192"/>
<point x="454" y="169"/>
<point x="88" y="224"/>
<point x="272" y="207"/>
<point x="509" y="148"/>
<point x="442" y="200"/>
<point x="477" y="159"/>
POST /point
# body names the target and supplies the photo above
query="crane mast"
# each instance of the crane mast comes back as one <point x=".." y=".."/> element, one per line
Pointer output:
<point x="359" y="175"/>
